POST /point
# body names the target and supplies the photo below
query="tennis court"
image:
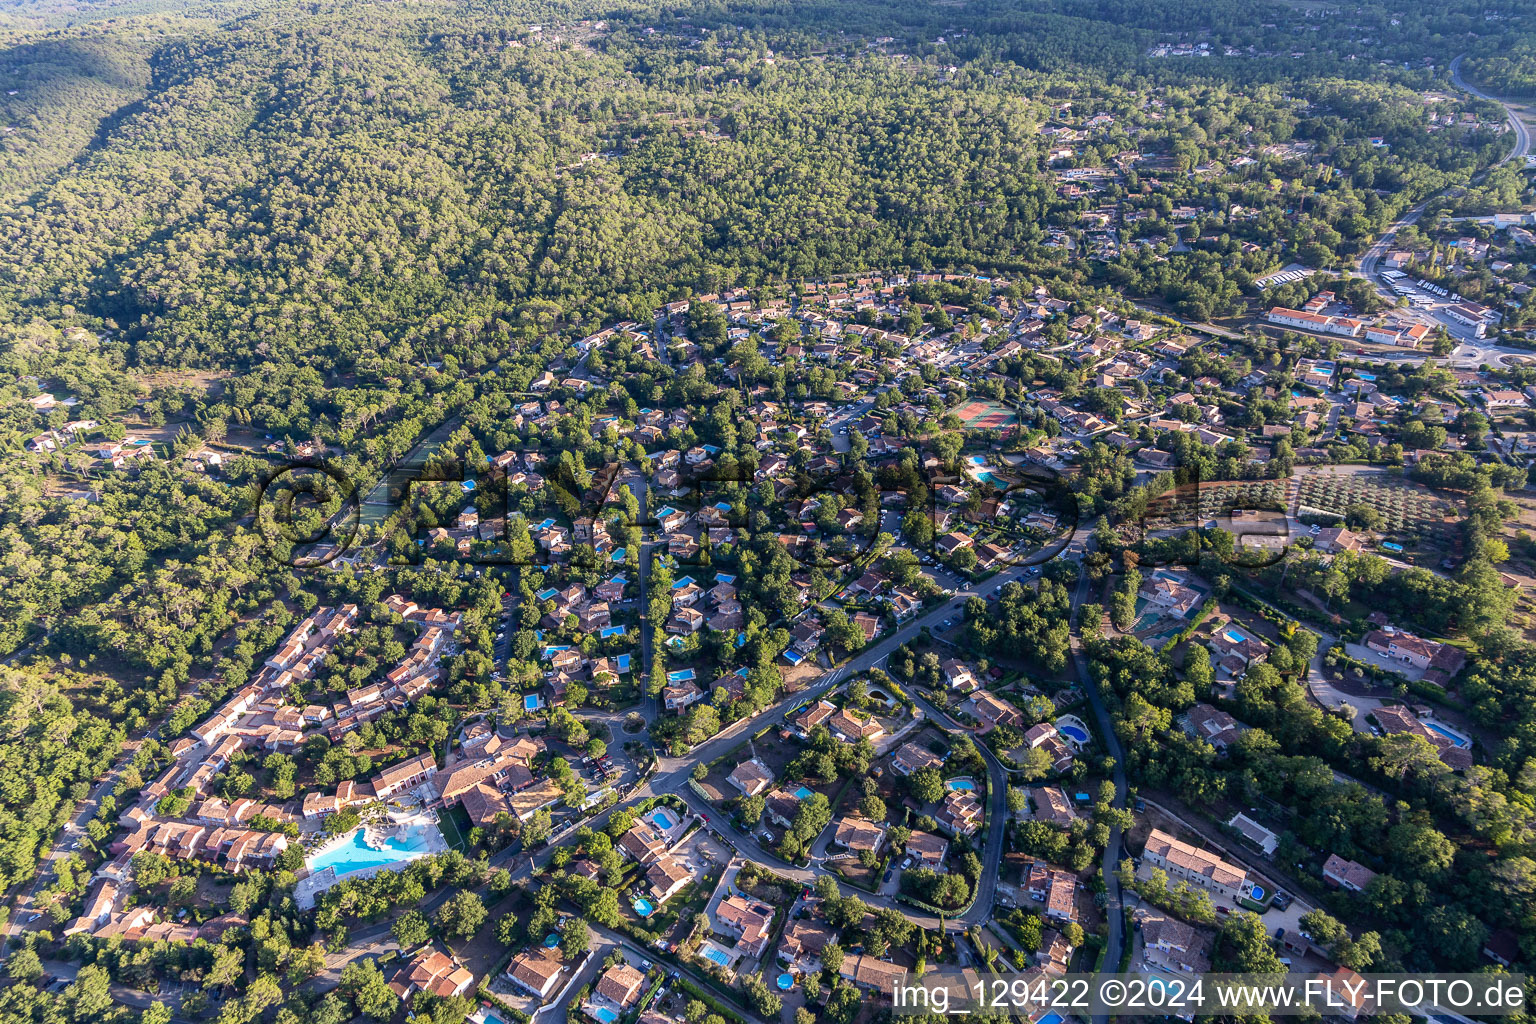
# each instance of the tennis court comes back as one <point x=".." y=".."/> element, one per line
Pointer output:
<point x="982" y="414"/>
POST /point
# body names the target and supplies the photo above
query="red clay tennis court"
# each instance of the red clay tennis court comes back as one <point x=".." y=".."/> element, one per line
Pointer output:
<point x="981" y="414"/>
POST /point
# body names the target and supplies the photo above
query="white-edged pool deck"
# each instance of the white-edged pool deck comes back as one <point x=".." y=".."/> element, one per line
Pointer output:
<point x="367" y="850"/>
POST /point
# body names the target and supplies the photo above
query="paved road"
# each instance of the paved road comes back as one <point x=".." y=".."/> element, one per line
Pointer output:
<point x="672" y="774"/>
<point x="1522" y="133"/>
<point x="1470" y="353"/>
<point x="1114" y="943"/>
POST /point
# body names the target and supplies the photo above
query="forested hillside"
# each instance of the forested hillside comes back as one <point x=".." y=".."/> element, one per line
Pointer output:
<point x="325" y="183"/>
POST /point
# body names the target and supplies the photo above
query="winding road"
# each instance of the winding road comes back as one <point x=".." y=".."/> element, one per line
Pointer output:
<point x="1522" y="133"/>
<point x="1114" y="943"/>
<point x="1470" y="353"/>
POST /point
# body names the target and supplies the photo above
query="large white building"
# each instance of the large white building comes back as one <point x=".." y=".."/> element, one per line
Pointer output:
<point x="1345" y="325"/>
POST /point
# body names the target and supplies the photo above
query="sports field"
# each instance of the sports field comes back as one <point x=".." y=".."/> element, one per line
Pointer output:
<point x="983" y="414"/>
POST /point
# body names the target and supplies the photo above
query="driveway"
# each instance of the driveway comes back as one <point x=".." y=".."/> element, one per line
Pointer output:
<point x="1360" y="652"/>
<point x="1331" y="698"/>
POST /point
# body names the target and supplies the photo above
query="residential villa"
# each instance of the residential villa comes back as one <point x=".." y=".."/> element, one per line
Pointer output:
<point x="537" y="971"/>
<point x="431" y="971"/>
<point x="1187" y="863"/>
<point x="927" y="850"/>
<point x="750" y="921"/>
<point x="911" y="757"/>
<point x="1347" y="874"/>
<point x="856" y="834"/>
<point x="752" y="777"/>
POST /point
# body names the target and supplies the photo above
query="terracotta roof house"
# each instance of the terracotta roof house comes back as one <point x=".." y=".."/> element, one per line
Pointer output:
<point x="643" y="843"/>
<point x="857" y="834"/>
<point x="850" y="728"/>
<point x="961" y="814"/>
<point x="1416" y="651"/>
<point x="1346" y="874"/>
<point x="781" y="808"/>
<point x="958" y="674"/>
<point x="1052" y="806"/>
<point x="1177" y="944"/>
<point x="537" y="971"/>
<point x="406" y="775"/>
<point x="1184" y="862"/>
<point x="927" y="850"/>
<point x="1395" y="718"/>
<point x="681" y="695"/>
<point x="814" y="715"/>
<point x="466" y="774"/>
<point x="749" y="920"/>
<point x="994" y="711"/>
<point x="1060" y="897"/>
<point x="1213" y="725"/>
<point x="752" y="777"/>
<point x="666" y="876"/>
<point x="1334" y="539"/>
<point x="874" y="975"/>
<point x="952" y="542"/>
<point x="912" y="757"/>
<point x="806" y="938"/>
<point x="1169" y="594"/>
<point x="1346" y="993"/>
<point x="433" y="971"/>
<point x="620" y="985"/>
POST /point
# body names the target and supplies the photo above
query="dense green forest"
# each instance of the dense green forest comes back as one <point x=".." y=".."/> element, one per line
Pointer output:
<point x="321" y="184"/>
<point x="1509" y="72"/>
<point x="366" y="221"/>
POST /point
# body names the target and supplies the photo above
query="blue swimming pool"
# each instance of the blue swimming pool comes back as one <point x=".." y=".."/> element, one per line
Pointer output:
<point x="551" y="940"/>
<point x="959" y="784"/>
<point x="1257" y="894"/>
<point x="1234" y="636"/>
<point x="606" y="1014"/>
<point x="786" y="982"/>
<point x="1050" y="1018"/>
<point x="802" y="793"/>
<point x="1456" y="738"/>
<point x="644" y="907"/>
<point x="1072" y="732"/>
<point x="531" y="702"/>
<point x="662" y="819"/>
<point x="491" y="1018"/>
<point x="716" y="956"/>
<point x="353" y="854"/>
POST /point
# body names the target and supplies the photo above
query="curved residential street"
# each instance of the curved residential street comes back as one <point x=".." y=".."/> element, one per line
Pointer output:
<point x="1114" y="943"/>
